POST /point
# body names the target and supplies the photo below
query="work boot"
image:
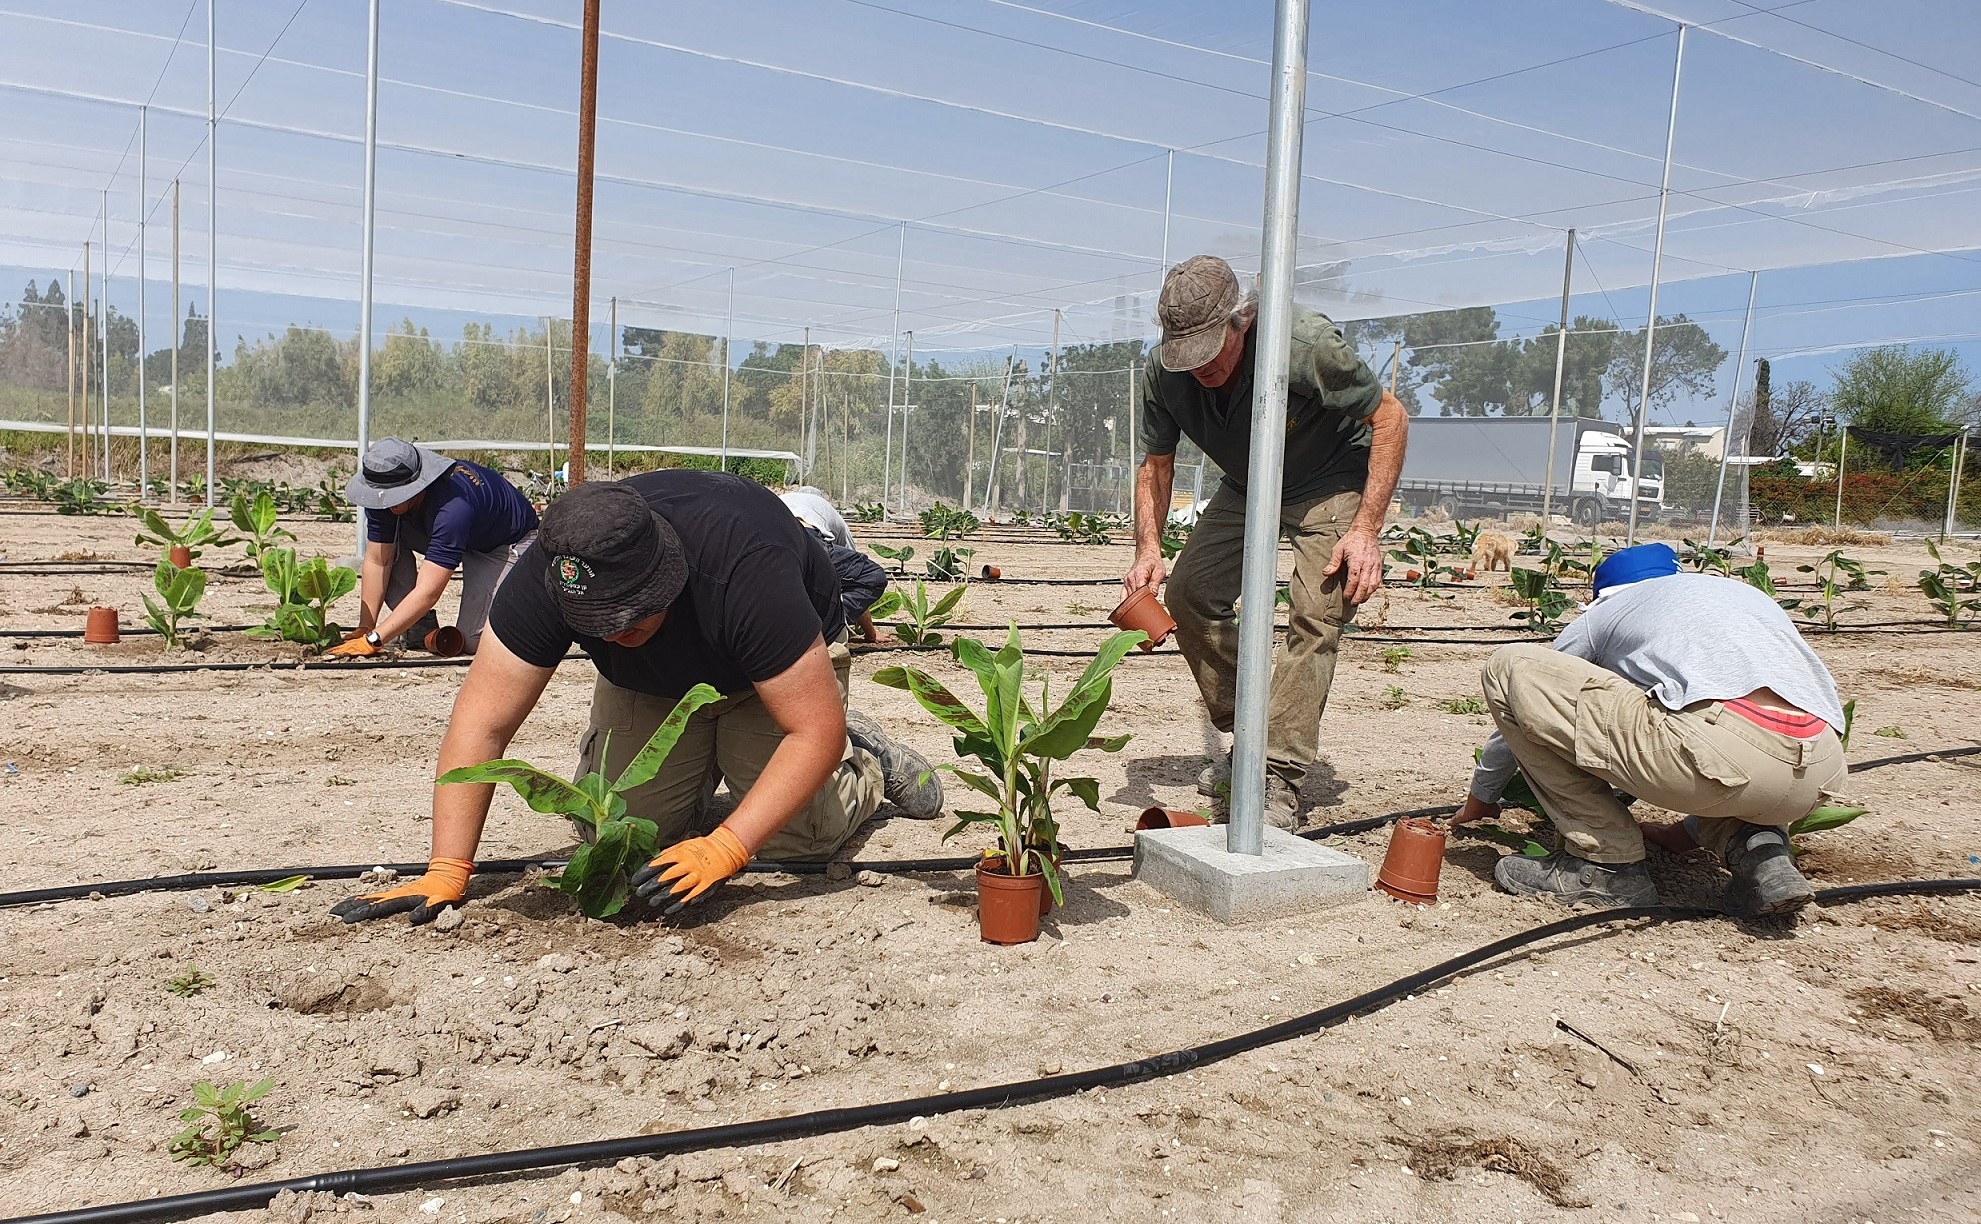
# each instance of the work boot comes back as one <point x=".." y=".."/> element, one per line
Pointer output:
<point x="1215" y="780"/>
<point x="415" y="638"/>
<point x="1282" y="803"/>
<point x="907" y="778"/>
<point x="1577" y="881"/>
<point x="1765" y="880"/>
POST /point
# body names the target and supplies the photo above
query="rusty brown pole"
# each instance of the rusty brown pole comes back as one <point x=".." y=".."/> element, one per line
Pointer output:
<point x="581" y="269"/>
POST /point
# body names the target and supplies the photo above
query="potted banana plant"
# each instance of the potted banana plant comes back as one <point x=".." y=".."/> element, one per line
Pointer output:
<point x="1017" y="739"/>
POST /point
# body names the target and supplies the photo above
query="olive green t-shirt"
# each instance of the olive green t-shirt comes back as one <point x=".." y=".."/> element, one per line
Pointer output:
<point x="1330" y="395"/>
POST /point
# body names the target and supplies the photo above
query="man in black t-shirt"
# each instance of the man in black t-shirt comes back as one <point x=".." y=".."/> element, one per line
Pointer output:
<point x="669" y="580"/>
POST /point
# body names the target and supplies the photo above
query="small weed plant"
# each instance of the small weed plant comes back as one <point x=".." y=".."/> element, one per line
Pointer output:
<point x="145" y="775"/>
<point x="1393" y="698"/>
<point x="221" y="1121"/>
<point x="179" y="592"/>
<point x="1394" y="657"/>
<point x="193" y="982"/>
<point x="1463" y="705"/>
<point x="1018" y="739"/>
<point x="599" y="875"/>
<point x="1892" y="732"/>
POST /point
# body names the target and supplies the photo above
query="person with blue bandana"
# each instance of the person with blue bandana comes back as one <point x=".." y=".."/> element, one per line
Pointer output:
<point x="1689" y="691"/>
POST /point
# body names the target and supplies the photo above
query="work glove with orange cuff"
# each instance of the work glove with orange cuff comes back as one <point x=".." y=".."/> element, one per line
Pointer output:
<point x="445" y="883"/>
<point x="687" y="869"/>
<point x="357" y="646"/>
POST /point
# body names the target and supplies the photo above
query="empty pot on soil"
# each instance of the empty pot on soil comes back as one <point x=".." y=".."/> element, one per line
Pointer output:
<point x="446" y="641"/>
<point x="1411" y="865"/>
<point x="100" y="627"/>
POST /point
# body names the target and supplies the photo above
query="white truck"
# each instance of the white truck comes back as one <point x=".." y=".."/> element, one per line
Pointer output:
<point x="1492" y="466"/>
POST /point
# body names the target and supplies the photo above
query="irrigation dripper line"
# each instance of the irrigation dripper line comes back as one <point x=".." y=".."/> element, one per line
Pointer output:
<point x="595" y="1153"/>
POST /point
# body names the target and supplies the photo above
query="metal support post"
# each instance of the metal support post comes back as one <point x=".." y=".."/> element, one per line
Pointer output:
<point x="367" y="251"/>
<point x="1554" y="401"/>
<point x="1657" y="264"/>
<point x="177" y="333"/>
<point x="103" y="421"/>
<point x="88" y="408"/>
<point x="1264" y="479"/>
<point x="1843" y="450"/>
<point x="69" y="333"/>
<point x="212" y="261"/>
<point x="728" y="330"/>
<point x="612" y="391"/>
<point x="1732" y="410"/>
<point x="550" y="399"/>
<point x="144" y="441"/>
<point x="907" y="402"/>
<point x="581" y="259"/>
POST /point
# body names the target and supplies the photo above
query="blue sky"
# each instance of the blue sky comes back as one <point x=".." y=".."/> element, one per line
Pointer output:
<point x="1016" y="156"/>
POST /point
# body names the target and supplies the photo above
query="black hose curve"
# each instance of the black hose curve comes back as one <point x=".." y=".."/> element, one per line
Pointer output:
<point x="388" y="1179"/>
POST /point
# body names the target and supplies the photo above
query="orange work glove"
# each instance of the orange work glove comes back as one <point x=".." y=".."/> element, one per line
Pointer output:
<point x="358" y="647"/>
<point x="445" y="883"/>
<point x="687" y="869"/>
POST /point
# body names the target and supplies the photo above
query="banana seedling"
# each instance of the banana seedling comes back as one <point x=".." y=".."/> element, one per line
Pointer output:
<point x="179" y="593"/>
<point x="922" y="617"/>
<point x="254" y="517"/>
<point x="616" y="844"/>
<point x="304" y="593"/>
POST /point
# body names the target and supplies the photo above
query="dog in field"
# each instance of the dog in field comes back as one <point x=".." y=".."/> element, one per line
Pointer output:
<point x="1492" y="551"/>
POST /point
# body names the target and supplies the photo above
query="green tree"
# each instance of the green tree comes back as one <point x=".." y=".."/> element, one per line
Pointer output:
<point x="1685" y="359"/>
<point x="1901" y="390"/>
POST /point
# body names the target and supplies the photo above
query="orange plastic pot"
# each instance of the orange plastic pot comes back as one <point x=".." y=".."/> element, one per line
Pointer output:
<point x="181" y="556"/>
<point x="1411" y="865"/>
<point x="1008" y="906"/>
<point x="1144" y="611"/>
<point x="446" y="641"/>
<point x="1168" y="818"/>
<point x="992" y="573"/>
<point x="100" y="627"/>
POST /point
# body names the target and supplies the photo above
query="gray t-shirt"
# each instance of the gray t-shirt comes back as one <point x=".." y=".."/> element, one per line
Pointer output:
<point x="1330" y="396"/>
<point x="1685" y="639"/>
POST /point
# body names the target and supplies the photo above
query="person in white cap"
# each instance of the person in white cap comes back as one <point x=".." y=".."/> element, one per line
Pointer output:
<point x="454" y="515"/>
<point x="1344" y="451"/>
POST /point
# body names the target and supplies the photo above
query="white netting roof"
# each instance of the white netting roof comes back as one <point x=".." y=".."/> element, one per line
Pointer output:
<point x="1016" y="157"/>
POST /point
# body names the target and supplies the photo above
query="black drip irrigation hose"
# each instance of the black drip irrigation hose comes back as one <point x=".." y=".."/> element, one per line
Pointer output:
<point x="597" y="1153"/>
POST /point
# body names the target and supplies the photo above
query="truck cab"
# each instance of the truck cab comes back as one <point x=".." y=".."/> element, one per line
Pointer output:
<point x="1602" y="478"/>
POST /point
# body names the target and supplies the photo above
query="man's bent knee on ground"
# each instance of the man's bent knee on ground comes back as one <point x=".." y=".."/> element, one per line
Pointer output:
<point x="666" y="581"/>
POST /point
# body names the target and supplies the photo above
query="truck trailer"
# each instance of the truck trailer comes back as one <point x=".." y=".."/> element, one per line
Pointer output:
<point x="1493" y="466"/>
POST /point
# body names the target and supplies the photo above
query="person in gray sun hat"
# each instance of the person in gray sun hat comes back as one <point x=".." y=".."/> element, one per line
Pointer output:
<point x="1344" y="451"/>
<point x="427" y="515"/>
<point x="668" y="580"/>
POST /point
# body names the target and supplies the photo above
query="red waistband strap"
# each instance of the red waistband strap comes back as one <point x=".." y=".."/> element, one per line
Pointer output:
<point x="1796" y="725"/>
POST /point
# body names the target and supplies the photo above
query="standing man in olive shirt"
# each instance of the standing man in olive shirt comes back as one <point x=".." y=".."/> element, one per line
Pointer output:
<point x="1344" y="451"/>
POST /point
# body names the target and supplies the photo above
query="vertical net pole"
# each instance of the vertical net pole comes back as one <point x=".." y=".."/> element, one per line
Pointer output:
<point x="581" y="255"/>
<point x="367" y="250"/>
<point x="144" y="443"/>
<point x="728" y="331"/>
<point x="212" y="259"/>
<point x="1843" y="450"/>
<point x="907" y="404"/>
<point x="177" y="324"/>
<point x="612" y="390"/>
<point x="1554" y="400"/>
<point x="1732" y="409"/>
<point x="1657" y="266"/>
<point x="88" y="408"/>
<point x="69" y="332"/>
<point x="103" y="422"/>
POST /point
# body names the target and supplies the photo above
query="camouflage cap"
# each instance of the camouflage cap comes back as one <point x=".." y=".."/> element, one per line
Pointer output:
<point x="1198" y="297"/>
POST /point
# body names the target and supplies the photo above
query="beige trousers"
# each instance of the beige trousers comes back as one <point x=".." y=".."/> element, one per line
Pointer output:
<point x="1201" y="596"/>
<point x="1579" y="730"/>
<point x="733" y="738"/>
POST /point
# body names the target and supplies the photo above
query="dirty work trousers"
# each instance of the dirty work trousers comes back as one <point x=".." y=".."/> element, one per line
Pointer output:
<point x="481" y="573"/>
<point x="1579" y="730"/>
<point x="1201" y="596"/>
<point x="734" y="738"/>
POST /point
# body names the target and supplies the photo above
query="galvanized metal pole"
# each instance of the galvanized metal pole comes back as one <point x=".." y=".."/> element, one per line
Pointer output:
<point x="1732" y="410"/>
<point x="88" y="408"/>
<point x="807" y="424"/>
<point x="907" y="402"/>
<point x="550" y="400"/>
<point x="144" y="441"/>
<point x="612" y="393"/>
<point x="103" y="422"/>
<point x="893" y="353"/>
<point x="970" y="454"/>
<point x="1554" y="401"/>
<point x="1657" y="264"/>
<point x="212" y="259"/>
<point x="177" y="324"/>
<point x="728" y="329"/>
<point x="1273" y="347"/>
<point x="69" y="333"/>
<point x="367" y="253"/>
<point x="1959" y="474"/>
<point x="581" y="259"/>
<point x="1953" y="482"/>
<point x="997" y="438"/>
<point x="1843" y="450"/>
<point x="1168" y="189"/>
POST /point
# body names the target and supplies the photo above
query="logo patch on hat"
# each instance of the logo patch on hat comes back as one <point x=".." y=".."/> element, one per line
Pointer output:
<point x="572" y="574"/>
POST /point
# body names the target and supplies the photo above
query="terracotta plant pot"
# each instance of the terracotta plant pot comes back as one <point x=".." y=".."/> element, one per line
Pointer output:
<point x="1144" y="611"/>
<point x="1008" y="907"/>
<point x="1168" y="818"/>
<point x="1410" y="867"/>
<point x="992" y="573"/>
<point x="446" y="641"/>
<point x="182" y="557"/>
<point x="1411" y="575"/>
<point x="100" y="627"/>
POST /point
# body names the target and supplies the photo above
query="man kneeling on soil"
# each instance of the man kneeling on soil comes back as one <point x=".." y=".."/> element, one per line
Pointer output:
<point x="1689" y="691"/>
<point x="456" y="515"/>
<point x="669" y="580"/>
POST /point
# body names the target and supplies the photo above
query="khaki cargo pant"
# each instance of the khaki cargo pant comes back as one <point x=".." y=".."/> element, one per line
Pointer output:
<point x="1201" y="595"/>
<point x="481" y="574"/>
<point x="733" y="738"/>
<point x="1579" y="730"/>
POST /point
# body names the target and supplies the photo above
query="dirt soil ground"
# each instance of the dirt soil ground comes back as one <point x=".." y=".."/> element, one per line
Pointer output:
<point x="1726" y="1072"/>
